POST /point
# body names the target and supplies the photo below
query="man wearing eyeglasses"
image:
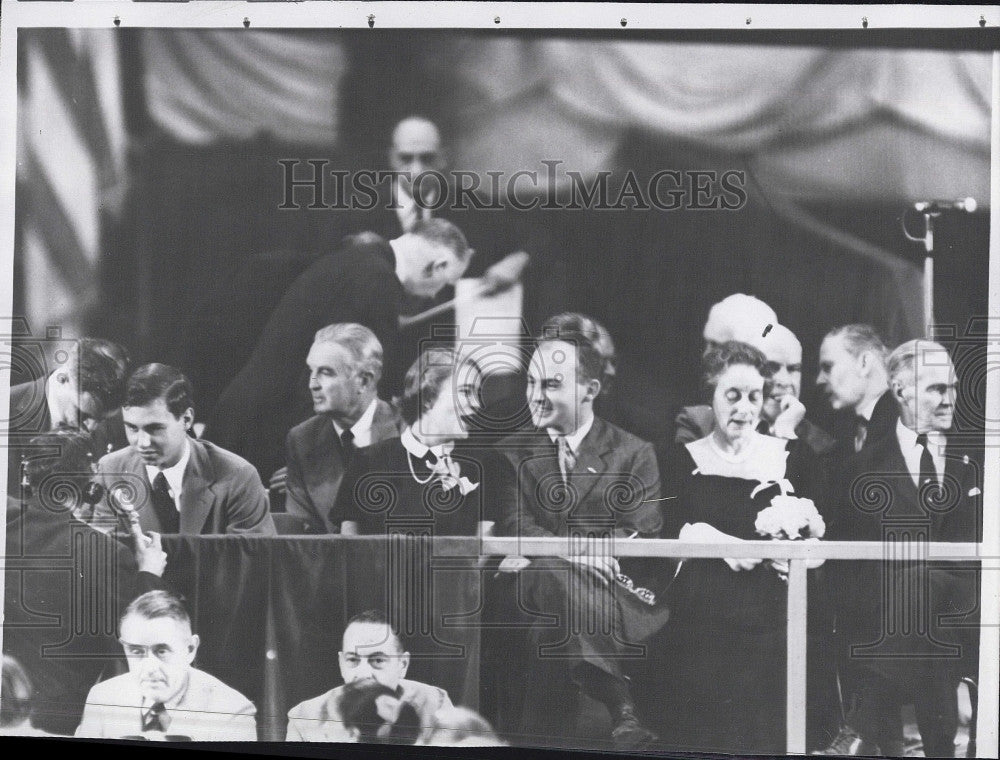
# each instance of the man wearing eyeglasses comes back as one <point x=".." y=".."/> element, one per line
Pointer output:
<point x="371" y="651"/>
<point x="162" y="697"/>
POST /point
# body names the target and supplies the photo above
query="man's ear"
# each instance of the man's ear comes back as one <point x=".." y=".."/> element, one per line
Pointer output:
<point x="897" y="389"/>
<point x="865" y="363"/>
<point x="593" y="389"/>
<point x="193" y="645"/>
<point x="404" y="664"/>
<point x="188" y="417"/>
<point x="365" y="379"/>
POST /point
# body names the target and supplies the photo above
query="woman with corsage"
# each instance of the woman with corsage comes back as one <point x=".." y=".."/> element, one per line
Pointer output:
<point x="418" y="482"/>
<point x="723" y="651"/>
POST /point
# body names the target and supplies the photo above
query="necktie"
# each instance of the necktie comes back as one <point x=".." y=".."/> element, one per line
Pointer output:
<point x="567" y="459"/>
<point x="164" y="506"/>
<point x="928" y="472"/>
<point x="156" y="718"/>
<point x="860" y="433"/>
<point x="347" y="447"/>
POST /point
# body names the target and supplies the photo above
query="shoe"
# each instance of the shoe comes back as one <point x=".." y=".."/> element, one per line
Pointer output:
<point x="628" y="733"/>
<point x="849" y="742"/>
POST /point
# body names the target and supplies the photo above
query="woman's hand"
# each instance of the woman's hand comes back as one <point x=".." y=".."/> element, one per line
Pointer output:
<point x="703" y="533"/>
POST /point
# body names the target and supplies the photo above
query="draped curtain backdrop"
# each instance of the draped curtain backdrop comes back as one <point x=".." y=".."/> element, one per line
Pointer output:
<point x="870" y="129"/>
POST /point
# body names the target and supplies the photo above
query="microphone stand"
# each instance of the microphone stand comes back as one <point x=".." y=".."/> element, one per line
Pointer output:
<point x="928" y="240"/>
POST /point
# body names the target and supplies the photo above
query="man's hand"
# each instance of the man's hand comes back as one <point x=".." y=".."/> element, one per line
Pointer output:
<point x="606" y="567"/>
<point x="513" y="563"/>
<point x="505" y="273"/>
<point x="792" y="413"/>
<point x="149" y="554"/>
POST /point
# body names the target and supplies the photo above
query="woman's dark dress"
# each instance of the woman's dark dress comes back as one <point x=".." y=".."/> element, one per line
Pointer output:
<point x="723" y="677"/>
<point x="380" y="493"/>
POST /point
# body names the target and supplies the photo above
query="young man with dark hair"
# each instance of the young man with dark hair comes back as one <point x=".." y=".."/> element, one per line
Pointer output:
<point x="582" y="479"/>
<point x="179" y="484"/>
<point x="163" y="695"/>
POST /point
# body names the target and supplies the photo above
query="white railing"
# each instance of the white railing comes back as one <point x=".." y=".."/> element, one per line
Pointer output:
<point x="797" y="553"/>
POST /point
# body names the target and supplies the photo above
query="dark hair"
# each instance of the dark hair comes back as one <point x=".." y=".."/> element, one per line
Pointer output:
<point x="15" y="694"/>
<point x="158" y="604"/>
<point x="101" y="370"/>
<point x="425" y="381"/>
<point x="153" y="381"/>
<point x="358" y="710"/>
<point x="374" y="617"/>
<point x="66" y="450"/>
<point x="720" y="358"/>
<point x="859" y="338"/>
<point x="442" y="232"/>
<point x="573" y="322"/>
<point x="583" y="333"/>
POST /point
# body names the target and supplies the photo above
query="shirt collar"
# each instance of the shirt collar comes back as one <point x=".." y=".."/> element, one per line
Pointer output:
<point x="575" y="438"/>
<point x="419" y="449"/>
<point x="364" y="423"/>
<point x="908" y="438"/>
<point x="174" y="474"/>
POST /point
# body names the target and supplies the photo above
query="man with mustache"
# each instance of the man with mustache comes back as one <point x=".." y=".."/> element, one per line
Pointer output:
<point x="188" y="486"/>
<point x="163" y="697"/>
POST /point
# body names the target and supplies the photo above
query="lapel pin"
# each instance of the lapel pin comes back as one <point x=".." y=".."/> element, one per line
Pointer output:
<point x="975" y="491"/>
<point x="591" y="469"/>
<point x="965" y="459"/>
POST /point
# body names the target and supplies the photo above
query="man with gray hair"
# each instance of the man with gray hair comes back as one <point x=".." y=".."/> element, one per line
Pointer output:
<point x="345" y="365"/>
<point x="737" y="317"/>
<point x="928" y="489"/>
<point x="853" y="375"/>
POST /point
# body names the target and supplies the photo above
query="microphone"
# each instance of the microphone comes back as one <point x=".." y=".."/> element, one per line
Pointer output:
<point x="966" y="205"/>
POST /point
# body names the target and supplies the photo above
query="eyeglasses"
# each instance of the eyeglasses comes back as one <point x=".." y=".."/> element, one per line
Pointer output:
<point x="138" y="651"/>
<point x="376" y="660"/>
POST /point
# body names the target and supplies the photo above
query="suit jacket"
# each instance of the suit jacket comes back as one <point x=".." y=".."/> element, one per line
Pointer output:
<point x="318" y="719"/>
<point x="876" y="493"/>
<point x="209" y="711"/>
<point x="355" y="283"/>
<point x="316" y="466"/>
<point x="61" y="575"/>
<point x="221" y="493"/>
<point x="695" y="422"/>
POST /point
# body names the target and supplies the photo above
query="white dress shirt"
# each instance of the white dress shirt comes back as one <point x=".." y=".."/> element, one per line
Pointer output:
<point x="912" y="450"/>
<point x="575" y="438"/>
<point x="362" y="429"/>
<point x="174" y="475"/>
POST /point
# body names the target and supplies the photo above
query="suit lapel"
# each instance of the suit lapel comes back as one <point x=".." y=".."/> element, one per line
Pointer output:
<point x="325" y="466"/>
<point x="197" y="496"/>
<point x="590" y="462"/>
<point x="908" y="501"/>
<point x="148" y="519"/>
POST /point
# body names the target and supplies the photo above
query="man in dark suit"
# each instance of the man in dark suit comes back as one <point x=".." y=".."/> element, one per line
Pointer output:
<point x="79" y="394"/>
<point x="345" y="365"/>
<point x="176" y="483"/>
<point x="583" y="479"/>
<point x="853" y="376"/>
<point x="363" y="281"/>
<point x="910" y="486"/>
<point x="64" y="581"/>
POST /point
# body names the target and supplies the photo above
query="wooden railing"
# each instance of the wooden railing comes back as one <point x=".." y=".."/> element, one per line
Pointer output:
<point x="798" y="553"/>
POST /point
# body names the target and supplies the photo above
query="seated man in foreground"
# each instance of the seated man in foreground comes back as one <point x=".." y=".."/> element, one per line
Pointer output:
<point x="371" y="651"/>
<point x="163" y="697"/>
